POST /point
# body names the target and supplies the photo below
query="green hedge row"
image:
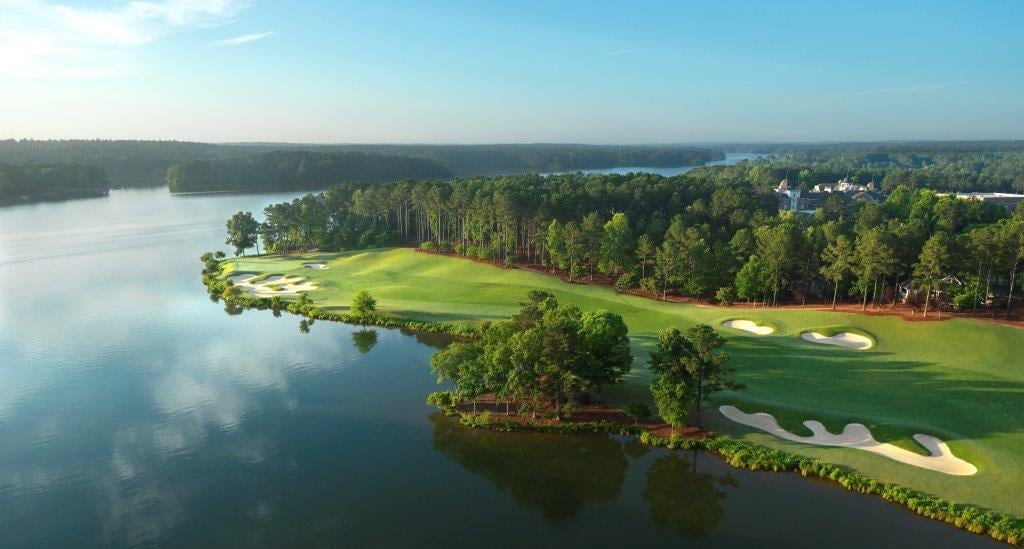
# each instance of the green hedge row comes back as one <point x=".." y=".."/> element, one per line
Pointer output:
<point x="740" y="454"/>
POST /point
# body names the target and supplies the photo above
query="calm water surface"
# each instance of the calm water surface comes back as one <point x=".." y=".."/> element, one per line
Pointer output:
<point x="134" y="411"/>
<point x="729" y="160"/>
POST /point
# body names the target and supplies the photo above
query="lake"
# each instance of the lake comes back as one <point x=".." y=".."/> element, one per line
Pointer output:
<point x="729" y="160"/>
<point x="135" y="411"/>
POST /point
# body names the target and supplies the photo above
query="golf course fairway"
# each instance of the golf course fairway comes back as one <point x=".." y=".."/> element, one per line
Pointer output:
<point x="959" y="380"/>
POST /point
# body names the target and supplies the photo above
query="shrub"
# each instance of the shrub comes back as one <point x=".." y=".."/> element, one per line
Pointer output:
<point x="637" y="411"/>
<point x="484" y="253"/>
<point x="649" y="284"/>
<point x="460" y="249"/>
<point x="443" y="400"/>
<point x="472" y="251"/>
<point x="427" y="246"/>
<point x="626" y="282"/>
<point x="726" y="295"/>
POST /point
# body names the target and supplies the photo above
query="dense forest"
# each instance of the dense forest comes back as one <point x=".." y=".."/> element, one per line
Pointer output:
<point x="985" y="166"/>
<point x="713" y="233"/>
<point x="145" y="163"/>
<point x="942" y="166"/>
<point x="49" y="181"/>
<point x="296" y="171"/>
<point x="126" y="163"/>
<point x="526" y="158"/>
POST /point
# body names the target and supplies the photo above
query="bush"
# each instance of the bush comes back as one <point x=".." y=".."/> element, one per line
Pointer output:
<point x="427" y="246"/>
<point x="637" y="411"/>
<point x="443" y="400"/>
<point x="650" y="284"/>
<point x="484" y="254"/>
<point x="626" y="282"/>
<point x="460" y="249"/>
<point x="726" y="295"/>
<point x="472" y="251"/>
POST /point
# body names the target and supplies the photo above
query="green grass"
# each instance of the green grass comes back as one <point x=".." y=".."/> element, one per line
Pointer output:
<point x="960" y="380"/>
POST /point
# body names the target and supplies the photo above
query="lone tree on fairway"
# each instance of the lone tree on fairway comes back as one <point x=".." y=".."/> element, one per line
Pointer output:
<point x="689" y="369"/>
<point x="243" y="233"/>
<point x="363" y="303"/>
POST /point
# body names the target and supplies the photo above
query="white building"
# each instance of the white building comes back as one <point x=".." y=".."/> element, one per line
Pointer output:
<point x="1011" y="201"/>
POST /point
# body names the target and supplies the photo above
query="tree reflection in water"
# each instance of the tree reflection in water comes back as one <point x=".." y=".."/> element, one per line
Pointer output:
<point x="364" y="340"/>
<point x="683" y="497"/>
<point x="555" y="474"/>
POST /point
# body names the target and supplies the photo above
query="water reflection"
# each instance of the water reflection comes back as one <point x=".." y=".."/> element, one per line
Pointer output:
<point x="557" y="475"/>
<point x="364" y="340"/>
<point x="682" y="497"/>
<point x="435" y="340"/>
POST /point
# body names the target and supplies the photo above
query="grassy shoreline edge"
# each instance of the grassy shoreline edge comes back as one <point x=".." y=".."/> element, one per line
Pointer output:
<point x="740" y="454"/>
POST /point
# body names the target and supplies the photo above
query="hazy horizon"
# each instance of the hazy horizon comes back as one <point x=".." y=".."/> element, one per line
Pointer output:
<point x="223" y="71"/>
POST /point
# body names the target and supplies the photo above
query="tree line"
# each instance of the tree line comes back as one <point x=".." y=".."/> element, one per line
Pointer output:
<point x="955" y="167"/>
<point x="140" y="163"/>
<point x="707" y="234"/>
<point x="35" y="181"/>
<point x="296" y="170"/>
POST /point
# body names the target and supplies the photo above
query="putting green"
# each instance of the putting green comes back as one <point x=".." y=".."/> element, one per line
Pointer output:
<point x="959" y="380"/>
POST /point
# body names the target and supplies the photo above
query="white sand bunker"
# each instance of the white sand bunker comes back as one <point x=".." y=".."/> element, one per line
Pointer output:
<point x="272" y="285"/>
<point x="845" y="339"/>
<point x="748" y="326"/>
<point x="317" y="266"/>
<point x="856" y="435"/>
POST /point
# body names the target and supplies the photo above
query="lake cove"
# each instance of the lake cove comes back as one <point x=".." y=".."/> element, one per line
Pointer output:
<point x="917" y="378"/>
<point x="133" y="410"/>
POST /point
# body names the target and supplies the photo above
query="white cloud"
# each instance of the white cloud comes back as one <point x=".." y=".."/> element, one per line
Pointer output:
<point x="43" y="39"/>
<point x="244" y="39"/>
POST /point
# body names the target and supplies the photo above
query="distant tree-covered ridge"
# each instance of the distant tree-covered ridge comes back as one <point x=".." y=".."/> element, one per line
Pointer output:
<point x="941" y="166"/>
<point x="987" y="166"/>
<point x="36" y="181"/>
<point x="541" y="157"/>
<point x="297" y="170"/>
<point x="134" y="163"/>
<point x="128" y="163"/>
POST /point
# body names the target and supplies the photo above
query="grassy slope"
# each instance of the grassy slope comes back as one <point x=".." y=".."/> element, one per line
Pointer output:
<point x="960" y="380"/>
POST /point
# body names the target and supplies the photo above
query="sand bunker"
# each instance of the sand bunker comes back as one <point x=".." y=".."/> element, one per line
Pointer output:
<point x="317" y="266"/>
<point x="856" y="435"/>
<point x="845" y="339"/>
<point x="748" y="326"/>
<point x="272" y="285"/>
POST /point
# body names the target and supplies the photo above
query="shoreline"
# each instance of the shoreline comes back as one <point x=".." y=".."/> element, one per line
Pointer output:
<point x="745" y="455"/>
<point x="999" y="526"/>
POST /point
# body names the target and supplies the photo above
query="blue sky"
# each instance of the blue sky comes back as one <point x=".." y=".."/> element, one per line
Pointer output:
<point x="485" y="72"/>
